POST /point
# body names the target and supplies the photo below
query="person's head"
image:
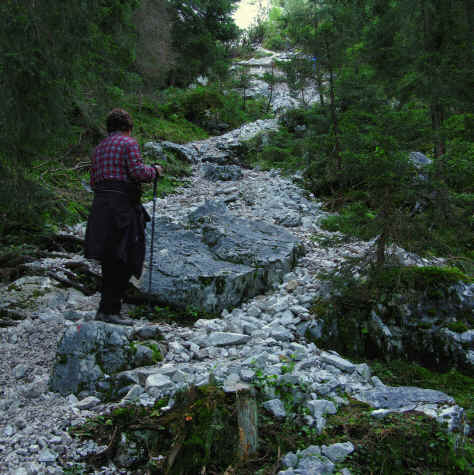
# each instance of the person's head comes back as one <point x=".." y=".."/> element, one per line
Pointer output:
<point x="119" y="120"/>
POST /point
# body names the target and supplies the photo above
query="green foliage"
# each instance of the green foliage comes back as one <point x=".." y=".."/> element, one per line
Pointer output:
<point x="274" y="36"/>
<point x="206" y="105"/>
<point x="397" y="444"/>
<point x="201" y="430"/>
<point x="74" y="469"/>
<point x="383" y="94"/>
<point x="54" y="102"/>
<point x="41" y="80"/>
<point x="33" y="202"/>
<point x="278" y="149"/>
<point x="457" y="166"/>
<point x="199" y="33"/>
<point x="355" y="219"/>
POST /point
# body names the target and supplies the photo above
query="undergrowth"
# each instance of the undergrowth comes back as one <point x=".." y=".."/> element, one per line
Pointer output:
<point x="396" y="444"/>
<point x="200" y="434"/>
<point x="278" y="149"/>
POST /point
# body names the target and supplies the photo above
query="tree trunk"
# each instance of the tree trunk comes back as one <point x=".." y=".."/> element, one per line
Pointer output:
<point x="437" y="118"/>
<point x="319" y="82"/>
<point x="381" y="243"/>
<point x="271" y="89"/>
<point x="332" y="97"/>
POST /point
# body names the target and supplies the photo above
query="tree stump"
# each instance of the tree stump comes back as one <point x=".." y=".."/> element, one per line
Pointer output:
<point x="247" y="419"/>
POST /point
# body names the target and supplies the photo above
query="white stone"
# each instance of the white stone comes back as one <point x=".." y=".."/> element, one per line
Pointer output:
<point x="321" y="407"/>
<point x="276" y="407"/>
<point x="338" y="362"/>
<point x="159" y="381"/>
<point x="224" y="339"/>
<point x="47" y="456"/>
<point x="87" y="403"/>
<point x="337" y="452"/>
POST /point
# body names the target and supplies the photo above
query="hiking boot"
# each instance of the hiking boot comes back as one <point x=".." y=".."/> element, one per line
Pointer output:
<point x="116" y="319"/>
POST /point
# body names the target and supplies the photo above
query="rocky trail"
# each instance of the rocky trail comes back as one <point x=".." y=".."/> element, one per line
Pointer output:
<point x="256" y="336"/>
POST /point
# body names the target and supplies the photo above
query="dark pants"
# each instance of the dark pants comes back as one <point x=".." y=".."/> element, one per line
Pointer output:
<point x="115" y="236"/>
<point x="115" y="277"/>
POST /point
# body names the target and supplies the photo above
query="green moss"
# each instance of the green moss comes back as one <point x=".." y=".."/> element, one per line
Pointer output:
<point x="133" y="347"/>
<point x="157" y="356"/>
<point x="458" y="327"/>
<point x="425" y="325"/>
<point x="202" y="431"/>
<point x="429" y="278"/>
<point x="14" y="288"/>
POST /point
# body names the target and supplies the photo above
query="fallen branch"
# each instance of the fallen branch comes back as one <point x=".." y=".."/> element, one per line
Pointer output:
<point x="10" y="317"/>
<point x="70" y="283"/>
<point x="108" y="452"/>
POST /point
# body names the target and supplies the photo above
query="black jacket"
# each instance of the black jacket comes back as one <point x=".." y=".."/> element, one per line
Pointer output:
<point x="116" y="225"/>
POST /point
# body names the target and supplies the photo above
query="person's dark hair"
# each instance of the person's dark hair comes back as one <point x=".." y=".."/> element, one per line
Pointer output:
<point x="119" y="120"/>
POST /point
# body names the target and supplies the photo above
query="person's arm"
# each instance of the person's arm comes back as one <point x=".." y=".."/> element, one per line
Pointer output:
<point x="136" y="168"/>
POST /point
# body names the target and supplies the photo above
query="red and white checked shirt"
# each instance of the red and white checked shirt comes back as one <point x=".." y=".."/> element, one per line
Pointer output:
<point x="115" y="156"/>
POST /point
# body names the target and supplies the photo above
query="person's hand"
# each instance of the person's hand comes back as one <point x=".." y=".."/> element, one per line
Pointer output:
<point x="159" y="169"/>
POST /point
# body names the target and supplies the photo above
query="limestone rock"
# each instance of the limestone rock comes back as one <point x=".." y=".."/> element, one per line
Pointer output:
<point x="219" y="261"/>
<point x="338" y="452"/>
<point x="276" y="407"/>
<point x="86" y="353"/>
<point x="222" y="173"/>
<point x="226" y="339"/>
<point x="391" y="397"/>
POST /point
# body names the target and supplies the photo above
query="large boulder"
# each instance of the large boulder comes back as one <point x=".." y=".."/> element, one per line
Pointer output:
<point x="219" y="260"/>
<point x="222" y="173"/>
<point x="155" y="150"/>
<point x="90" y="354"/>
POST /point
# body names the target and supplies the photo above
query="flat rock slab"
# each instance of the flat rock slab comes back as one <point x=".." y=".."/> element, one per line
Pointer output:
<point x="226" y="339"/>
<point x="389" y="397"/>
<point x="218" y="261"/>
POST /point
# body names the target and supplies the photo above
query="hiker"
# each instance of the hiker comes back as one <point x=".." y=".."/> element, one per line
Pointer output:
<point x="115" y="232"/>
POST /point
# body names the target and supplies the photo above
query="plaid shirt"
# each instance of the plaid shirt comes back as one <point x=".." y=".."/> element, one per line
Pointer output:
<point x="118" y="158"/>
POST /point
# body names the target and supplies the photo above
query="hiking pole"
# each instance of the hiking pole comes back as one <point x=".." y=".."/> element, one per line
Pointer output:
<point x="155" y="182"/>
